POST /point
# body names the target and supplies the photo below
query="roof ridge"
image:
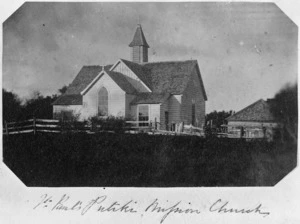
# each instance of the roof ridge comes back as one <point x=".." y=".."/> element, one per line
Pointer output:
<point x="156" y="62"/>
<point x="122" y="59"/>
<point x="152" y="62"/>
<point x="91" y="65"/>
<point x="97" y="65"/>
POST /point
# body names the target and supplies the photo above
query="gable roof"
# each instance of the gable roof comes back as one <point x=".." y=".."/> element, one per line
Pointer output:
<point x="169" y="76"/>
<point x="140" y="72"/>
<point x="122" y="82"/>
<point x="257" y="111"/>
<point x="71" y="99"/>
<point x="150" y="98"/>
<point x="139" y="38"/>
<point x="85" y="76"/>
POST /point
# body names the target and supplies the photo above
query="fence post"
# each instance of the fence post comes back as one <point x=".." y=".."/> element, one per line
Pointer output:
<point x="6" y="129"/>
<point x="34" y="126"/>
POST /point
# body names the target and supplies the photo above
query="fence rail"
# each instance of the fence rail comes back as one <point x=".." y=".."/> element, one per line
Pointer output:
<point x="56" y="126"/>
<point x="31" y="125"/>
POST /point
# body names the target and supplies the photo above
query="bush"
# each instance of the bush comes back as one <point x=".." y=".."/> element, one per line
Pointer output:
<point x="110" y="123"/>
<point x="72" y="123"/>
<point x="210" y="132"/>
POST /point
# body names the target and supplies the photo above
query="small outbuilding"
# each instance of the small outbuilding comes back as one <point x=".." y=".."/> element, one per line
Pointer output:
<point x="254" y="121"/>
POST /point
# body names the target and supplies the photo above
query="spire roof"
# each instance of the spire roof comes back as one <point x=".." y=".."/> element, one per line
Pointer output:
<point x="139" y="38"/>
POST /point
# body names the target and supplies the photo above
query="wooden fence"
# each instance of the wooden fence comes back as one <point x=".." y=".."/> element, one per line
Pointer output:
<point x="31" y="125"/>
<point x="153" y="128"/>
<point x="55" y="126"/>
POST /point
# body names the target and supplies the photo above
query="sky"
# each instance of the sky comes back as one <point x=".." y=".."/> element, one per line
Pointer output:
<point x="245" y="51"/>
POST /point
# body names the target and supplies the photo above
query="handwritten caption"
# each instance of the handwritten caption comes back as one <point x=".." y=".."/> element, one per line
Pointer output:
<point x="103" y="204"/>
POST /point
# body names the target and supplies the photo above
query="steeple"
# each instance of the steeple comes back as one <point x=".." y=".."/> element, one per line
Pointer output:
<point x="139" y="46"/>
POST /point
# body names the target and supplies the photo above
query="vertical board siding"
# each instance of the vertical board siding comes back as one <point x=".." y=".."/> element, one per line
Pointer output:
<point x="116" y="98"/>
<point x="139" y="54"/>
<point x="252" y="129"/>
<point x="163" y="109"/>
<point x="193" y="92"/>
<point x="145" y="54"/>
<point x="136" y="54"/>
<point x="174" y="108"/>
<point x="131" y="77"/>
<point x="133" y="113"/>
<point x="252" y="124"/>
<point x="154" y="112"/>
<point x="128" y="99"/>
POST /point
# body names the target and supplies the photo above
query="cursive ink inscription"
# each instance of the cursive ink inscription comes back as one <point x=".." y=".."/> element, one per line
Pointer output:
<point x="154" y="207"/>
<point x="97" y="204"/>
<point x="113" y="207"/>
<point x="222" y="207"/>
<point x="103" y="204"/>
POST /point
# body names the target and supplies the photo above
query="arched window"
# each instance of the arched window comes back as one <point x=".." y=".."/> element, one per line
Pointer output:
<point x="103" y="102"/>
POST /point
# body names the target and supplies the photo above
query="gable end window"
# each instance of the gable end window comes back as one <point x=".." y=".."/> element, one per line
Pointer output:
<point x="103" y="102"/>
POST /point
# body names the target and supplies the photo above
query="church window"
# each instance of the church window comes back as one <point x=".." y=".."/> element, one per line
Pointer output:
<point x="143" y="112"/>
<point x="103" y="102"/>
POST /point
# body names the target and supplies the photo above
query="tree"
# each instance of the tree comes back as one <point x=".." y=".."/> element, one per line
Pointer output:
<point x="12" y="108"/>
<point x="39" y="106"/>
<point x="63" y="89"/>
<point x="218" y="118"/>
<point x="36" y="106"/>
<point x="213" y="122"/>
<point x="284" y="108"/>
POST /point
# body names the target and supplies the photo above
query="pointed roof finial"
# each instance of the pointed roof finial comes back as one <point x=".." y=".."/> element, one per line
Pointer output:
<point x="139" y="38"/>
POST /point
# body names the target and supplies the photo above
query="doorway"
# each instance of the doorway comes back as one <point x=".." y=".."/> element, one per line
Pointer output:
<point x="167" y="120"/>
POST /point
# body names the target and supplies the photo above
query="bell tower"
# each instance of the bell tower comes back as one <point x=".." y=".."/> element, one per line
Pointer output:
<point x="139" y="46"/>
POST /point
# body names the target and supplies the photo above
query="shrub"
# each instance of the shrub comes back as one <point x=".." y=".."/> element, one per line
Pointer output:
<point x="108" y="123"/>
<point x="72" y="123"/>
<point x="210" y="132"/>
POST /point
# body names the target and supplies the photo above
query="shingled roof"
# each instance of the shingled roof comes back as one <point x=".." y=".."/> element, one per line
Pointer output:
<point x="71" y="99"/>
<point x="140" y="71"/>
<point x="170" y="76"/>
<point x="258" y="111"/>
<point x="85" y="76"/>
<point x="122" y="82"/>
<point x="150" y="98"/>
<point x="139" y="38"/>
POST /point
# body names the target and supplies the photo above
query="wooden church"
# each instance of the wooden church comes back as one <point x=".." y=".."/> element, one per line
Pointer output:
<point x="167" y="92"/>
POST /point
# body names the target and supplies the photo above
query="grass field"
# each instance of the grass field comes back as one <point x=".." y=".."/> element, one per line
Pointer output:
<point x="124" y="160"/>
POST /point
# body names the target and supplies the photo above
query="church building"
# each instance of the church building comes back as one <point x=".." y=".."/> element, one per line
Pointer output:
<point x="167" y="92"/>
